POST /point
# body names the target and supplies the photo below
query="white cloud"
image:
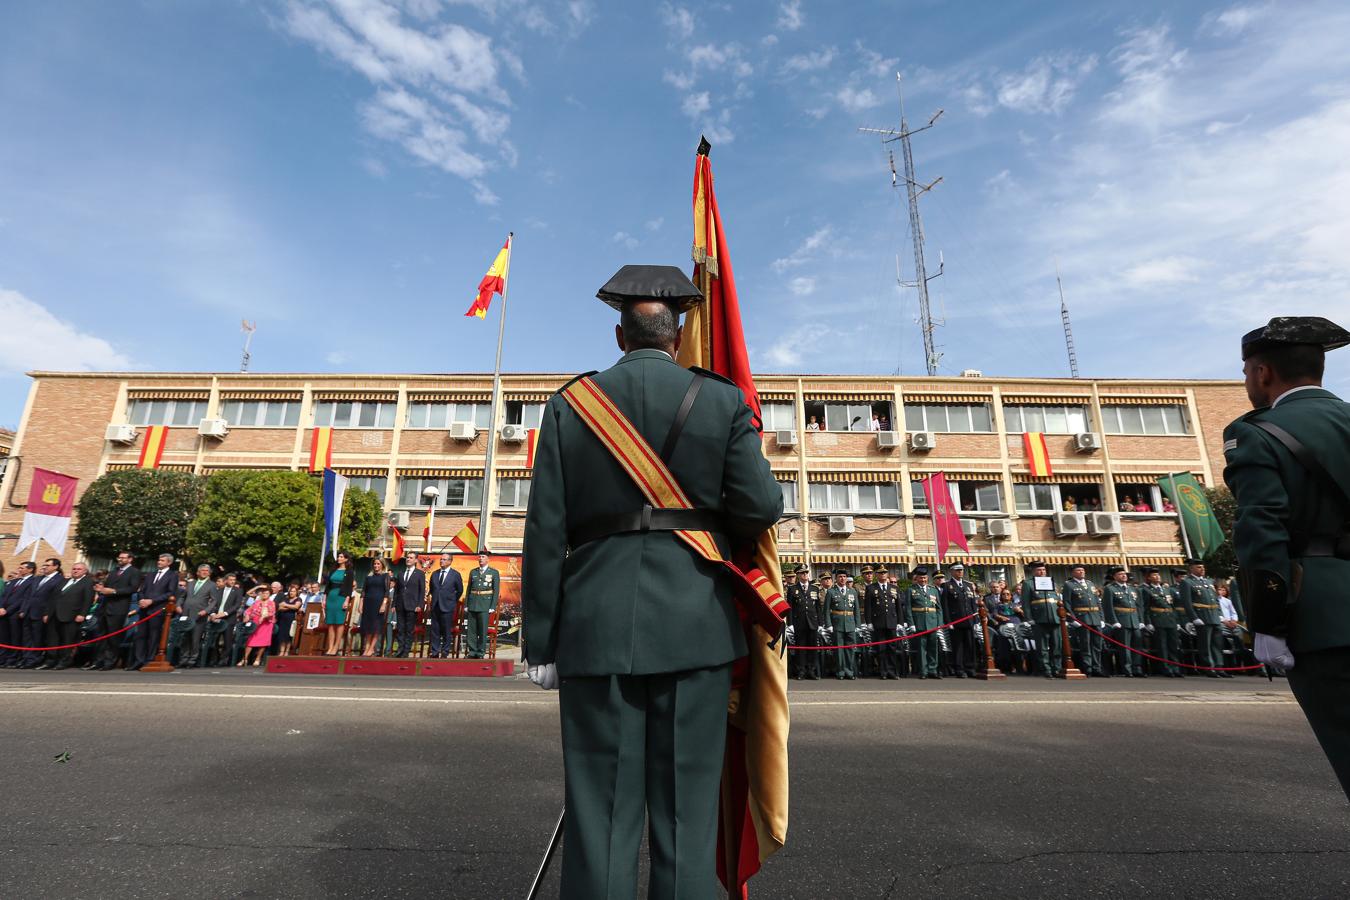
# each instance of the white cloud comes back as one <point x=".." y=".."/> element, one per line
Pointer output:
<point x="624" y="239"/>
<point x="680" y="81"/>
<point x="423" y="131"/>
<point x="790" y="16"/>
<point x="678" y="20"/>
<point x="809" y="62"/>
<point x="802" y="286"/>
<point x="806" y="252"/>
<point x="1236" y="18"/>
<point x="977" y="100"/>
<point x="655" y="224"/>
<point x="36" y="339"/>
<point x="855" y="100"/>
<point x="717" y="58"/>
<point x="876" y="65"/>
<point x="1167" y="270"/>
<point x="696" y="105"/>
<point x="1148" y="62"/>
<point x="1046" y="85"/>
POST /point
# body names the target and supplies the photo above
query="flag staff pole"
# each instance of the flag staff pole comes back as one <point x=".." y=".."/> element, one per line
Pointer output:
<point x="932" y="514"/>
<point x="1181" y="517"/>
<point x="496" y="399"/>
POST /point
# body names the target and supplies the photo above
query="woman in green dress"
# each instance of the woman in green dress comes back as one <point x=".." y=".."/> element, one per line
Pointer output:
<point x="338" y="601"/>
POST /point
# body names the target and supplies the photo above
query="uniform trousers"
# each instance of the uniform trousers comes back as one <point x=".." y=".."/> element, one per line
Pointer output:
<point x="635" y="748"/>
<point x="886" y="653"/>
<point x="442" y="630"/>
<point x="929" y="653"/>
<point x="1087" y="648"/>
<point x="1209" y="644"/>
<point x="806" y="663"/>
<point x="1320" y="681"/>
<point x="963" y="649"/>
<point x="1050" y="648"/>
<point x="478" y="628"/>
<point x="1165" y="644"/>
<point x="845" y="659"/>
<point x="1127" y="660"/>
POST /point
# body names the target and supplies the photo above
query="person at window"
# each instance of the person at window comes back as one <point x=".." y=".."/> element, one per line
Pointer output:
<point x="1167" y="506"/>
<point x="338" y="602"/>
<point x="374" y="606"/>
<point x="1127" y="504"/>
<point x="1094" y="504"/>
<point x="875" y="424"/>
<point x="1070" y="503"/>
<point x="813" y="424"/>
<point x="1142" y="505"/>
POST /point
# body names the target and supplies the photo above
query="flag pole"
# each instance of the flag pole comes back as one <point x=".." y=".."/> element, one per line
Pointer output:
<point x="932" y="514"/>
<point x="496" y="398"/>
<point x="1181" y="517"/>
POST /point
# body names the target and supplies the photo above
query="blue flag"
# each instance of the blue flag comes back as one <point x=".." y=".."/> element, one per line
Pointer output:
<point x="334" y="492"/>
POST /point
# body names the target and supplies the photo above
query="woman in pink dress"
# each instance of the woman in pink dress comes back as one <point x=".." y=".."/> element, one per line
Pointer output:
<point x="263" y="615"/>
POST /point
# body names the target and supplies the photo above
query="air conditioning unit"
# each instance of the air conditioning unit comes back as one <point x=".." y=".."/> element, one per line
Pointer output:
<point x="1070" y="523"/>
<point x="1104" y="523"/>
<point x="213" y="428"/>
<point x="888" y="439"/>
<point x="922" y="441"/>
<point x="463" y="431"/>
<point x="1000" y="528"/>
<point x="786" y="437"/>
<point x="514" y="434"/>
<point x="120" y="434"/>
<point x="970" y="527"/>
<point x="971" y="373"/>
<point x="841" y="524"/>
<point x="1087" y="441"/>
<point x="399" y="518"/>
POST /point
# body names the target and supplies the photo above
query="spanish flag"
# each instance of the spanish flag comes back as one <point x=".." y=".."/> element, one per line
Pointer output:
<point x="1038" y="454"/>
<point x="398" y="543"/>
<point x="321" y="449"/>
<point x="153" y="448"/>
<point x="467" y="539"/>
<point x="428" y="527"/>
<point x="531" y="441"/>
<point x="494" y="282"/>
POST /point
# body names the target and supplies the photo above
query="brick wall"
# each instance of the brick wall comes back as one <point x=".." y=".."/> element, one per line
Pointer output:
<point x="1217" y="406"/>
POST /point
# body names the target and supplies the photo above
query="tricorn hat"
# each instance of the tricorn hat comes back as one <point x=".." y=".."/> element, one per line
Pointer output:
<point x="1113" y="571"/>
<point x="1192" y="561"/>
<point x="634" y="284"/>
<point x="1286" y="330"/>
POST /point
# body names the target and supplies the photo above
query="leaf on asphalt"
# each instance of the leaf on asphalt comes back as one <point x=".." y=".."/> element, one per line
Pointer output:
<point x="63" y="756"/>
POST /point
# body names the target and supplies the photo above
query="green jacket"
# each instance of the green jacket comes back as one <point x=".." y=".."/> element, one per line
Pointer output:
<point x="843" y="606"/>
<point x="1123" y="604"/>
<point x="1160" y="609"/>
<point x="1279" y="504"/>
<point x="640" y="603"/>
<point x="484" y="589"/>
<point x="1200" y="599"/>
<point x="1040" y="607"/>
<point x="1080" y="598"/>
<point x="923" y="607"/>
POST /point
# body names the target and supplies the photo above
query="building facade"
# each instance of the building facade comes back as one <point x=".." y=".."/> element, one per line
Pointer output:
<point x="853" y="495"/>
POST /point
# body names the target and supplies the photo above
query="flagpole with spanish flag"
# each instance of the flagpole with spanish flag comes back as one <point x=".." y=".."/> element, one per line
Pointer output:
<point x="497" y="280"/>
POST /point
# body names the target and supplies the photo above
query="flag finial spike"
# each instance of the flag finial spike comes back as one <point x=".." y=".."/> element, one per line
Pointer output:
<point x="703" y="146"/>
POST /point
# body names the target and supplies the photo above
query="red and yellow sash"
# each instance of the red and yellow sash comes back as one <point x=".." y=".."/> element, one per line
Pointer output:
<point x="764" y="605"/>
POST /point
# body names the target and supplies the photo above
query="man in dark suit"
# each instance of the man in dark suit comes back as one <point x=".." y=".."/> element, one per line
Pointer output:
<point x="122" y="583"/>
<point x="640" y="632"/>
<point x="960" y="598"/>
<point x="410" y="594"/>
<point x="11" y="620"/>
<point x="447" y="587"/>
<point x="220" y="623"/>
<point x="158" y="588"/>
<point x="66" y="614"/>
<point x="200" y="599"/>
<point x="36" y="605"/>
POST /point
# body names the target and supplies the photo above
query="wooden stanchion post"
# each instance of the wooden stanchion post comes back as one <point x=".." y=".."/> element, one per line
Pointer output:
<point x="991" y="671"/>
<point x="1070" y="671"/>
<point x="161" y="663"/>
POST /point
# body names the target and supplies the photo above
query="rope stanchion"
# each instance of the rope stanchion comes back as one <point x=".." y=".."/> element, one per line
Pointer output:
<point x="85" y="643"/>
<point x="1160" y="659"/>
<point x="904" y="637"/>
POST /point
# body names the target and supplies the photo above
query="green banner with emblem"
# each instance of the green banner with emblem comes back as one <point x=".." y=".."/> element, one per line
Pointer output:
<point x="1197" y="516"/>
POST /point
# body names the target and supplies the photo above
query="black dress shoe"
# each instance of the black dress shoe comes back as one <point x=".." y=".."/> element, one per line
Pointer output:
<point x="44" y="666"/>
<point x="59" y="666"/>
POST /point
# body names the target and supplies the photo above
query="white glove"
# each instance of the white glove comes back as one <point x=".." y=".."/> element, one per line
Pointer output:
<point x="1148" y="628"/>
<point x="1117" y="625"/>
<point x="546" y="676"/>
<point x="791" y="633"/>
<point x="1074" y="623"/>
<point x="1273" y="651"/>
<point x="1198" y="622"/>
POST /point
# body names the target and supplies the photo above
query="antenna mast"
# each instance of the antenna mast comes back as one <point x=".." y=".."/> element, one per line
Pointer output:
<point x="247" y="328"/>
<point x="1068" y="329"/>
<point x="914" y="189"/>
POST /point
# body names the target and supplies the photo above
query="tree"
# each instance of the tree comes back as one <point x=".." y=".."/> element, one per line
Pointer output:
<point x="1222" y="560"/>
<point x="146" y="511"/>
<point x="271" y="522"/>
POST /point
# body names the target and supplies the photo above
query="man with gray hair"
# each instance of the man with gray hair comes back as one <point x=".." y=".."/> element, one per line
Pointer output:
<point x="159" y="587"/>
<point x="199" y="600"/>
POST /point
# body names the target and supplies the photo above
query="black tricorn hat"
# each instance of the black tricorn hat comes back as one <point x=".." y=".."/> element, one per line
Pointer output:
<point x="1192" y="561"/>
<point x="633" y="284"/>
<point x="1286" y="330"/>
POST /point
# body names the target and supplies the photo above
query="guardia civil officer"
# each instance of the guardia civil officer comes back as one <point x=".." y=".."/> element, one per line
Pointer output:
<point x="842" y="603"/>
<point x="805" y="599"/>
<point x="485" y="586"/>
<point x="1162" y="618"/>
<point x="1201" y="601"/>
<point x="883" y="611"/>
<point x="1124" y="611"/>
<point x="1041" y="605"/>
<point x="923" y="610"/>
<point x="1082" y="598"/>
<point x="961" y="598"/>
<point x="1289" y="472"/>
<point x="641" y="631"/>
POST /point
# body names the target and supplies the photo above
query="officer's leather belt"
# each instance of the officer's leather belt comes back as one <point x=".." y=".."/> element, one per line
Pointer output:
<point x="1125" y="609"/>
<point x="641" y="521"/>
<point x="1043" y="601"/>
<point x="1205" y="605"/>
<point x="1327" y="545"/>
<point x="925" y="609"/>
<point x="1088" y="609"/>
<point x="1161" y="609"/>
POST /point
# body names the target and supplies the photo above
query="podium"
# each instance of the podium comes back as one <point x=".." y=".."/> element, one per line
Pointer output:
<point x="310" y="632"/>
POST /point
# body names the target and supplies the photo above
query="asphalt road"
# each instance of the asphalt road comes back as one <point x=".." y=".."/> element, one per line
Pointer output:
<point x="210" y="784"/>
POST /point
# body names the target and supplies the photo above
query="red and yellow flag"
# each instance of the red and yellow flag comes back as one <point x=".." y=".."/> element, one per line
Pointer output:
<point x="531" y="441"/>
<point x="754" y="803"/>
<point x="467" y="539"/>
<point x="494" y="282"/>
<point x="399" y="551"/>
<point x="153" y="448"/>
<point x="1038" y="454"/>
<point x="321" y="449"/>
<point x="428" y="527"/>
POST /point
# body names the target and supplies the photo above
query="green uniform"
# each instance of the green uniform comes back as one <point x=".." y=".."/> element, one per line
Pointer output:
<point x="923" y="610"/>
<point x="1201" y="602"/>
<point x="1161" y="613"/>
<point x="1081" y="599"/>
<point x="1290" y="537"/>
<point x="485" y="586"/>
<point x="842" y="604"/>
<point x="1123" y="607"/>
<point x="643" y="632"/>
<point x="1042" y="610"/>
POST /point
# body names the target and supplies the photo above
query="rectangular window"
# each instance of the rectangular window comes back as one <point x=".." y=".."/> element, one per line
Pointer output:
<point x="779" y="416"/>
<point x="374" y="483"/>
<point x="1158" y="419"/>
<point x="1036" y="497"/>
<point x="520" y="413"/>
<point x="1048" y="419"/>
<point x="455" y="493"/>
<point x="917" y="497"/>
<point x="789" y="489"/>
<point x="957" y="418"/>
<point x="261" y="413"/>
<point x="355" y="414"/>
<point x="513" y="493"/>
<point x="848" y="416"/>
<point x="166" y="412"/>
<point x="1138" y="498"/>
<point x="978" y="496"/>
<point x="882" y="498"/>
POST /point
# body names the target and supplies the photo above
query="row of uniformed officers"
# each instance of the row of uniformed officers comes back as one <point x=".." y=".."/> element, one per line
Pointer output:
<point x="1150" y="617"/>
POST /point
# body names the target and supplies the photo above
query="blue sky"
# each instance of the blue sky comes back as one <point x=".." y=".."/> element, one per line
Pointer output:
<point x="343" y="171"/>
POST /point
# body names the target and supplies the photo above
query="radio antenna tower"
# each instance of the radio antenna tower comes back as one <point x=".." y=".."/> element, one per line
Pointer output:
<point x="1068" y="329"/>
<point x="914" y="190"/>
<point x="247" y="328"/>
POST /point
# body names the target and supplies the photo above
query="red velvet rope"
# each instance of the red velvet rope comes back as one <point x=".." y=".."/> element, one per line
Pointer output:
<point x="1159" y="658"/>
<point x="904" y="637"/>
<point x="90" y="641"/>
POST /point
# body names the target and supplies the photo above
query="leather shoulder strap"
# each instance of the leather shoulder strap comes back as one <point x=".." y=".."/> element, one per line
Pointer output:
<point x="681" y="416"/>
<point x="1304" y="456"/>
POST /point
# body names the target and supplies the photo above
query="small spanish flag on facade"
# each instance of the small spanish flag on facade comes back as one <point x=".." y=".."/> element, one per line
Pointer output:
<point x="428" y="527"/>
<point x="531" y="441"/>
<point x="467" y="539"/>
<point x="153" y="449"/>
<point x="398" y="544"/>
<point x="494" y="282"/>
<point x="321" y="449"/>
<point x="1038" y="454"/>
